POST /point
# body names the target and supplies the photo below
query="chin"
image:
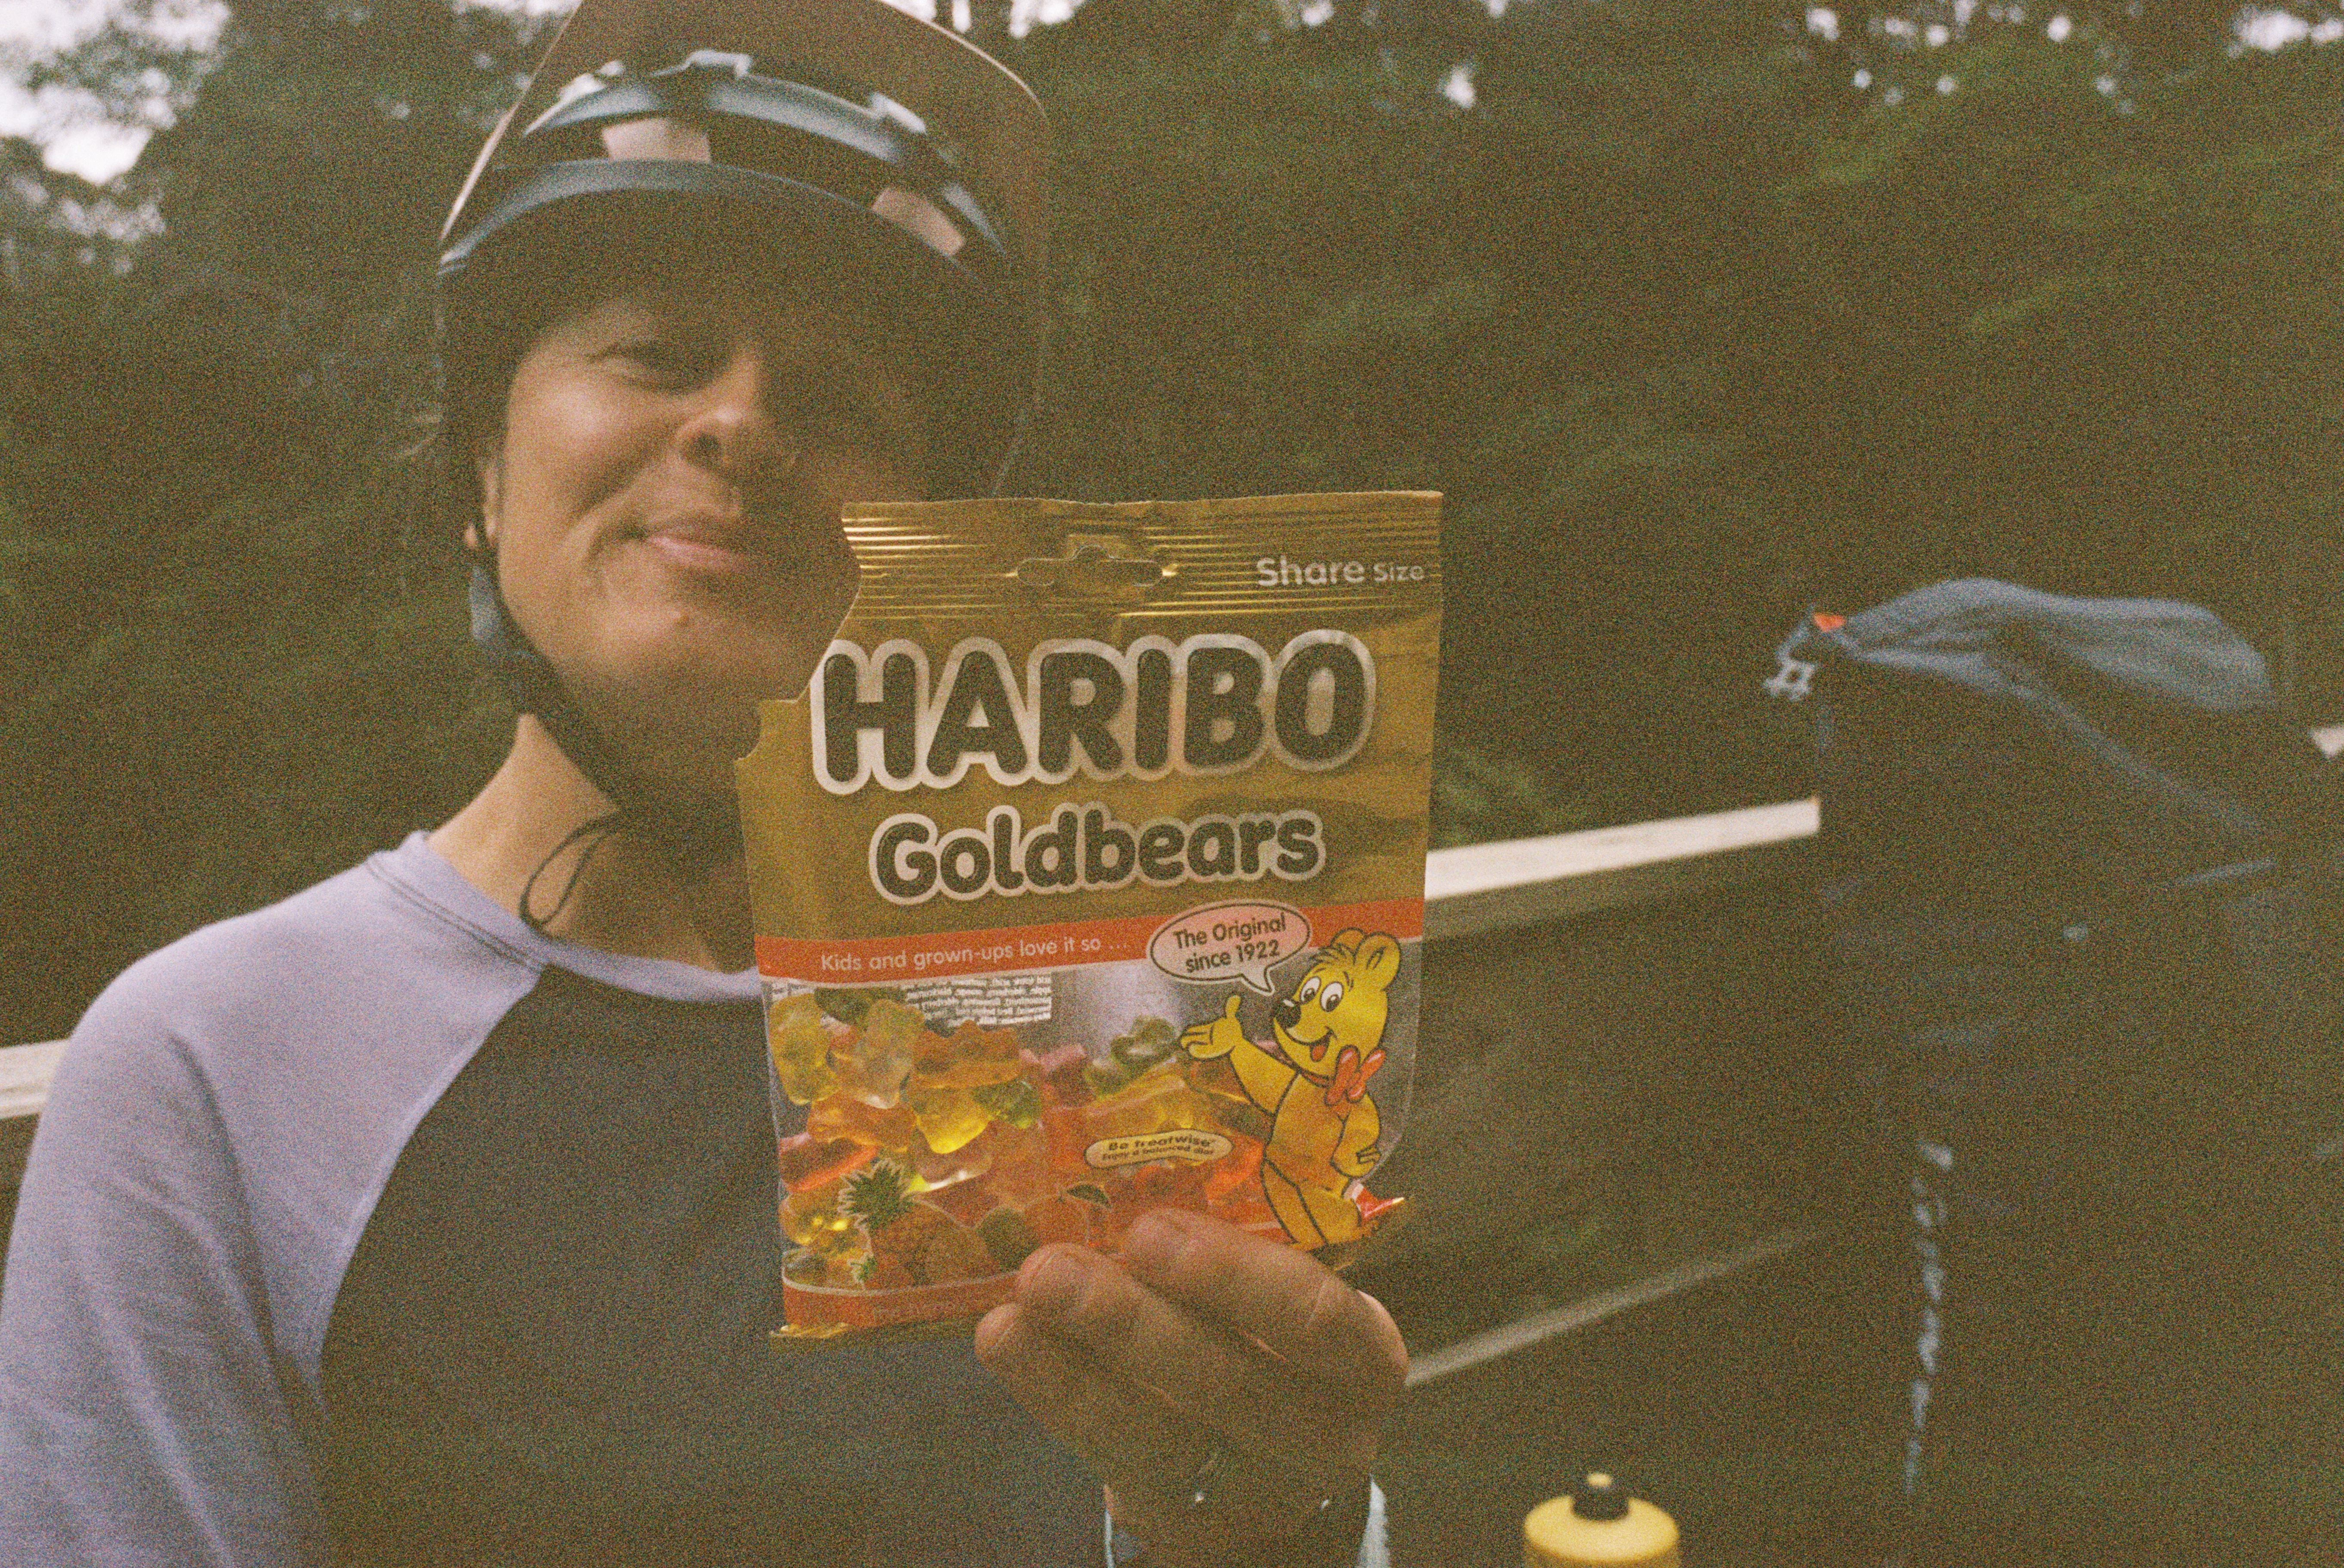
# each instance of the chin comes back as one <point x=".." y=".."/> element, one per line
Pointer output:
<point x="685" y="723"/>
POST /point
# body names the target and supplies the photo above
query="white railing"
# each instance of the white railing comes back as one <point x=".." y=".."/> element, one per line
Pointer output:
<point x="1477" y="890"/>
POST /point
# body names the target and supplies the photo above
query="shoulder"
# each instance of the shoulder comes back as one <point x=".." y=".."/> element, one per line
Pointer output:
<point x="279" y="1035"/>
<point x="266" y="1029"/>
<point x="248" y="1086"/>
<point x="384" y="934"/>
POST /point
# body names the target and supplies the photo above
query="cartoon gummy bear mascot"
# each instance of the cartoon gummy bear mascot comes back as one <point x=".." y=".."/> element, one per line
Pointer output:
<point x="1328" y="1032"/>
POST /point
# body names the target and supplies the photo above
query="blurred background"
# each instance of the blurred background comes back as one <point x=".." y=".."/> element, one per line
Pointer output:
<point x="1702" y="313"/>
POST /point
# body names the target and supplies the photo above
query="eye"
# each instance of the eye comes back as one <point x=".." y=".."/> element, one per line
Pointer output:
<point x="1310" y="989"/>
<point x="662" y="347"/>
<point x="665" y="360"/>
<point x="1334" y="997"/>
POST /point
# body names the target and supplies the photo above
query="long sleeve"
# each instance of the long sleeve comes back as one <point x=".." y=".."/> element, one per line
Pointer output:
<point x="144" y="1418"/>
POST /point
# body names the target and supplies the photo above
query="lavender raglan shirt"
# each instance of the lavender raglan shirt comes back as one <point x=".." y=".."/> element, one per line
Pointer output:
<point x="222" y="1130"/>
<point x="223" y="1124"/>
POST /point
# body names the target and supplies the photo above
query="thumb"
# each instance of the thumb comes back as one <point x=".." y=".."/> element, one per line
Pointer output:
<point x="1231" y="1011"/>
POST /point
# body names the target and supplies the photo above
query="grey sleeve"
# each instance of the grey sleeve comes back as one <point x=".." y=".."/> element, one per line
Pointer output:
<point x="144" y="1418"/>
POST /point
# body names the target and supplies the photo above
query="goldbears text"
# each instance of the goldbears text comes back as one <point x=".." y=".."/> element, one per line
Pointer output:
<point x="1211" y="704"/>
<point x="1085" y="848"/>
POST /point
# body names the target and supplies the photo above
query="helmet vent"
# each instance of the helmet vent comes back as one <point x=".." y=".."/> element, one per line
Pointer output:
<point x="721" y="62"/>
<point x="656" y="137"/>
<point x="586" y="82"/>
<point x="923" y="219"/>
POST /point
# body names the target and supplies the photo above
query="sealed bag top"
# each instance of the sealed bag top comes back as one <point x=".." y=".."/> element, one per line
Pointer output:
<point x="1047" y="727"/>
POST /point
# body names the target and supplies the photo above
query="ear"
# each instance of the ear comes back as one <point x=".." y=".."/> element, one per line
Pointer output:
<point x="488" y="464"/>
<point x="1379" y="960"/>
<point x="1343" y="942"/>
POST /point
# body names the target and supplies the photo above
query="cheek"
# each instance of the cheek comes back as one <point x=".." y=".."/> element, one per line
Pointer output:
<point x="567" y="451"/>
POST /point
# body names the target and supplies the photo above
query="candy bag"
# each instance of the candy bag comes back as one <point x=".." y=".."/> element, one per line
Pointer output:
<point x="1089" y="879"/>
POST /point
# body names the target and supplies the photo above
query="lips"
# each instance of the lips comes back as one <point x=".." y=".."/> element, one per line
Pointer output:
<point x="714" y="546"/>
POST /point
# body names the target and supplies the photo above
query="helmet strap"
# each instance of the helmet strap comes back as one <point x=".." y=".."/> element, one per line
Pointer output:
<point x="691" y="835"/>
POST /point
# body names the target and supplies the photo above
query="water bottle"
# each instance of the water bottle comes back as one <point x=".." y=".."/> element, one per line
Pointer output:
<point x="1598" y="1526"/>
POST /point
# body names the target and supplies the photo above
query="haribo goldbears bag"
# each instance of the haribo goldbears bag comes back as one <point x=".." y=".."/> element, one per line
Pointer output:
<point x="1088" y="878"/>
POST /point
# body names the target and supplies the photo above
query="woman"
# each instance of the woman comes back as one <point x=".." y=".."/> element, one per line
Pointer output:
<point x="428" y="1216"/>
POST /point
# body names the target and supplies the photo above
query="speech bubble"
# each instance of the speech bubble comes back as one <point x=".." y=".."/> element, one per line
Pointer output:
<point x="1236" y="941"/>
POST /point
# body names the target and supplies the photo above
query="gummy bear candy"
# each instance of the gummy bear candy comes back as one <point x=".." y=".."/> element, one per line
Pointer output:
<point x="1151" y="1041"/>
<point x="947" y="1117"/>
<point x="1150" y="1044"/>
<point x="1235" y="1172"/>
<point x="813" y="1219"/>
<point x="873" y="1060"/>
<point x="1008" y="1236"/>
<point x="953" y="1251"/>
<point x="942" y="1167"/>
<point x="912" y="1243"/>
<point x="1057" y="1219"/>
<point x="1063" y="1075"/>
<point x="1149" y="1104"/>
<point x="1020" y="1171"/>
<point x="800" y="1043"/>
<point x="1215" y="1077"/>
<point x="1017" y="1101"/>
<point x="968" y="1058"/>
<point x="806" y="1161"/>
<point x="967" y="1201"/>
<point x="890" y="1128"/>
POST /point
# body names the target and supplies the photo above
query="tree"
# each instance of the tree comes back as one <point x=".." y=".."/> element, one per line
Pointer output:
<point x="1697" y="314"/>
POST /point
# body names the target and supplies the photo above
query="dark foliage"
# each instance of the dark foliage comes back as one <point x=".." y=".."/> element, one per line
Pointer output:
<point x="1693" y="330"/>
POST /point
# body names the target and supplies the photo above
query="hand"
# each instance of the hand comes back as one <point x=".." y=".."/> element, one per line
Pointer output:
<point x="1218" y="1036"/>
<point x="1201" y="1336"/>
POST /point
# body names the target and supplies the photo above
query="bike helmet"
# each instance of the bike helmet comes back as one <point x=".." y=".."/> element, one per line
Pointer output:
<point x="881" y="160"/>
<point x="874" y="159"/>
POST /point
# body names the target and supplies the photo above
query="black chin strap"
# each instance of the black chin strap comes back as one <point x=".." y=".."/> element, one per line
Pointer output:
<point x="691" y="834"/>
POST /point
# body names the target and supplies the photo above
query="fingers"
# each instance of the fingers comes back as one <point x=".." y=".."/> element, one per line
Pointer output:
<point x="1288" y="1302"/>
<point x="1201" y="1338"/>
<point x="1218" y="1381"/>
<point x="1215" y="1036"/>
<point x="1148" y="1453"/>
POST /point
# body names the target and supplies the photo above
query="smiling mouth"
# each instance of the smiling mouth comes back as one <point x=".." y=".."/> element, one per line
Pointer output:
<point x="717" y="550"/>
<point x="1305" y="1054"/>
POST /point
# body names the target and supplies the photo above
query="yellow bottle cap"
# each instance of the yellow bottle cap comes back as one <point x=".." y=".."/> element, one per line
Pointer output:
<point x="1573" y="1532"/>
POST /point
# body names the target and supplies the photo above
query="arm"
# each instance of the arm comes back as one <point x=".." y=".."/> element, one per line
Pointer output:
<point x="144" y="1417"/>
<point x="1265" y="1077"/>
<point x="1354" y="1149"/>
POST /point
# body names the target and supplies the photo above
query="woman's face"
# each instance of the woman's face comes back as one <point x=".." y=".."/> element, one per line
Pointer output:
<point x="664" y="501"/>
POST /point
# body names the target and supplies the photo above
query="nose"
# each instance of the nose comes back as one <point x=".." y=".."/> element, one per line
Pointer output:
<point x="733" y="433"/>
<point x="1287" y="1012"/>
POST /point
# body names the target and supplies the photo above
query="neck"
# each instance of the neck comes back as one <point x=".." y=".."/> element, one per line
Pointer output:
<point x="627" y="900"/>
